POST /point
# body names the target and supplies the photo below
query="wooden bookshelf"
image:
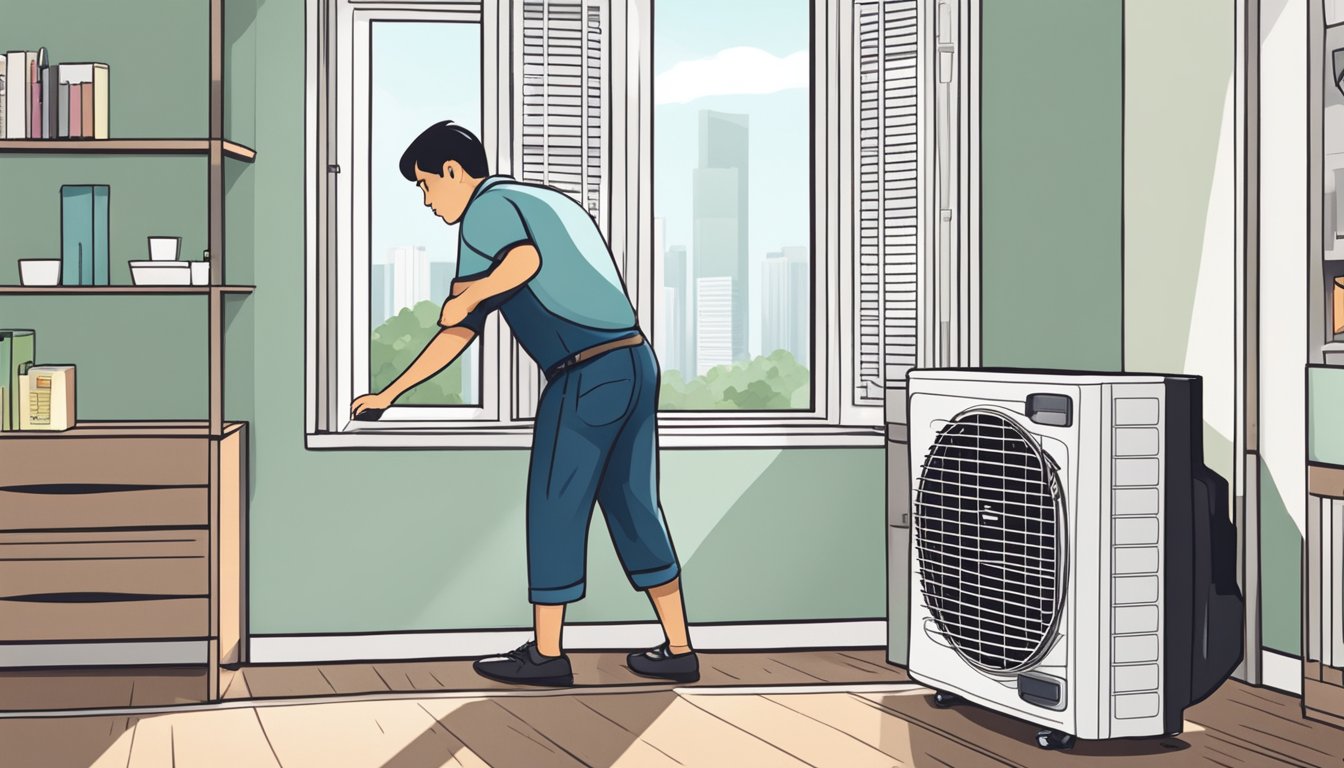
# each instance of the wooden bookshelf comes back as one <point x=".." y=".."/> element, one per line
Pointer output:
<point x="100" y="477"/>
<point x="123" y="290"/>
<point x="125" y="147"/>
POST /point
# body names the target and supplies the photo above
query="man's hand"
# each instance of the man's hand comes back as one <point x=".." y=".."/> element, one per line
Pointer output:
<point x="379" y="401"/>
<point x="455" y="310"/>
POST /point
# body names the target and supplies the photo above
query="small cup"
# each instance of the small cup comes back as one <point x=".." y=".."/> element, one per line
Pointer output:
<point x="164" y="248"/>
<point x="200" y="273"/>
<point x="40" y="271"/>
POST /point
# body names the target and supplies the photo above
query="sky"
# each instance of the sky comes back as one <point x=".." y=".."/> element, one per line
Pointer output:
<point x="414" y="86"/>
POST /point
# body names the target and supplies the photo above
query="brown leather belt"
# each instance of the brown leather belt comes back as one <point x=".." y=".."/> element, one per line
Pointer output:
<point x="593" y="351"/>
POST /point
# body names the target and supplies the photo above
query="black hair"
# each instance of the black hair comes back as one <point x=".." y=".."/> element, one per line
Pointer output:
<point x="440" y="143"/>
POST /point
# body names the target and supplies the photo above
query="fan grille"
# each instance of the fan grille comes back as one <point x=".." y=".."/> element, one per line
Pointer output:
<point x="989" y="541"/>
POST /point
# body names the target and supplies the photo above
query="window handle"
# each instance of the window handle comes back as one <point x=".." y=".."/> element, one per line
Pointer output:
<point x="333" y="168"/>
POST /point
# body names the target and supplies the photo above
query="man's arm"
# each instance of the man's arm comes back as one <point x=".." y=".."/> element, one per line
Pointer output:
<point x="438" y="354"/>
<point x="518" y="265"/>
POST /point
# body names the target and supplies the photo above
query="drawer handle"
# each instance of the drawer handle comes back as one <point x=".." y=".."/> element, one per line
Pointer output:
<point x="84" y="488"/>
<point x="92" y="597"/>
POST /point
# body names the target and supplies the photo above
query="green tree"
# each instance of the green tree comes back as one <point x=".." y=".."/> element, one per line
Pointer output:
<point x="395" y="344"/>
<point x="774" y="382"/>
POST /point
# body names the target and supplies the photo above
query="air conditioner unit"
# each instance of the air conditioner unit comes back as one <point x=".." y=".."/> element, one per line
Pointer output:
<point x="1073" y="564"/>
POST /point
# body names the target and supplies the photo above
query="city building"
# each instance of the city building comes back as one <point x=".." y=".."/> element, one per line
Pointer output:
<point x="714" y="320"/>
<point x="786" y="316"/>
<point x="719" y="212"/>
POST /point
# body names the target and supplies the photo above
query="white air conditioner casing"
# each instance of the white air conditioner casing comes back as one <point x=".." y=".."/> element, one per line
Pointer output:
<point x="1063" y="552"/>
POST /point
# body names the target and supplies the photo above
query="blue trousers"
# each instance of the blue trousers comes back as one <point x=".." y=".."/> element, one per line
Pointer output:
<point x="596" y="439"/>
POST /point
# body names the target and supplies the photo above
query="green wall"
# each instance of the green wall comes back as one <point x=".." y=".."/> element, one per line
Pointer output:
<point x="348" y="541"/>
<point x="1325" y="430"/>
<point x="1180" y="203"/>
<point x="1050" y="170"/>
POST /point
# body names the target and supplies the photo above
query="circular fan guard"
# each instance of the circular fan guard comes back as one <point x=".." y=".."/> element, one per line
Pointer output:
<point x="989" y="538"/>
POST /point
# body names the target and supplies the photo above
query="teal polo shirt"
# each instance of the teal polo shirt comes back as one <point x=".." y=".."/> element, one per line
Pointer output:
<point x="575" y="301"/>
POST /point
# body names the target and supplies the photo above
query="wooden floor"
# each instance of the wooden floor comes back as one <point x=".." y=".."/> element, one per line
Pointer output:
<point x="407" y="715"/>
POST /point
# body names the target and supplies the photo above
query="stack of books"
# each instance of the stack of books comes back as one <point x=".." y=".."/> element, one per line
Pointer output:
<point x="51" y="101"/>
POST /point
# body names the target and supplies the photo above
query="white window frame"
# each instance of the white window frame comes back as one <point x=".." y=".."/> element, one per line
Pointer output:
<point x="333" y="276"/>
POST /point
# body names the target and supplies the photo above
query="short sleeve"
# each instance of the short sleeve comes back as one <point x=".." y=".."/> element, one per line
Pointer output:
<point x="493" y="224"/>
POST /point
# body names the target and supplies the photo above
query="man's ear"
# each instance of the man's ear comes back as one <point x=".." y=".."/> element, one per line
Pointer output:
<point x="452" y="170"/>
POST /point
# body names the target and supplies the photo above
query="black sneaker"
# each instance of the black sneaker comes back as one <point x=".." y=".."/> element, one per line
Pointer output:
<point x="659" y="662"/>
<point x="525" y="665"/>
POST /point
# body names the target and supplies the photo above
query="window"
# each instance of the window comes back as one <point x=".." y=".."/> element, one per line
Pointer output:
<point x="758" y="185"/>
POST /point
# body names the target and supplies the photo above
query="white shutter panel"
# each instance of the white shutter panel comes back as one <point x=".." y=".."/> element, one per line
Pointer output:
<point x="562" y="123"/>
<point x="564" y="98"/>
<point x="887" y="204"/>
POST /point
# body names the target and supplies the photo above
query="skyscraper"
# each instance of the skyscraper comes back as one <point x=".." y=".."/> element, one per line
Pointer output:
<point x="380" y="295"/>
<point x="719" y="213"/>
<point x="714" y="323"/>
<point x="679" y="355"/>
<point x="786" y="306"/>
<point x="441" y="275"/>
<point x="408" y="276"/>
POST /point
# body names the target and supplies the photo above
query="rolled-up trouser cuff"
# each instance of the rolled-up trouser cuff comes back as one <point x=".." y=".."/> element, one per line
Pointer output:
<point x="657" y="578"/>
<point x="560" y="596"/>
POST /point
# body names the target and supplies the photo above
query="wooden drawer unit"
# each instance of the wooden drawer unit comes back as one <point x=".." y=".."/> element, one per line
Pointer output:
<point x="127" y="535"/>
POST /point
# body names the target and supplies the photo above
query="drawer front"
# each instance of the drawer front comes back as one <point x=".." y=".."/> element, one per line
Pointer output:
<point x="148" y="507"/>
<point x="180" y="617"/>
<point x="104" y="461"/>
<point x="101" y="545"/>
<point x="88" y="580"/>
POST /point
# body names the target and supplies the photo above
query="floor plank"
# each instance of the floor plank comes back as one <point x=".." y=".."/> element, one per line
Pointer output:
<point x="392" y="734"/>
<point x="585" y="732"/>
<point x="220" y="738"/>
<point x="74" y="741"/>
<point x="906" y="742"/>
<point x="687" y="734"/>
<point x="810" y="740"/>
<point x="1270" y="723"/>
<point x="499" y="737"/>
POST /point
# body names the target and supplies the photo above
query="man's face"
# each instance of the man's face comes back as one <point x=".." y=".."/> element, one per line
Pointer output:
<point x="445" y="194"/>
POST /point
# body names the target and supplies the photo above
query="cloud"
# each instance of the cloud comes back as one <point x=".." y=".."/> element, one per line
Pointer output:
<point x="731" y="72"/>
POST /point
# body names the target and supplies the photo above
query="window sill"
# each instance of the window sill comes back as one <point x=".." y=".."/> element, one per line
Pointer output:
<point x="670" y="435"/>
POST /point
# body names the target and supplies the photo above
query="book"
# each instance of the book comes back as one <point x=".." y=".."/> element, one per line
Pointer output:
<point x="86" y="103"/>
<point x="17" y="353"/>
<point x="34" y="98"/>
<point x="4" y="61"/>
<point x="75" y="131"/>
<point x="16" y="95"/>
<point x="48" y="103"/>
<point x="63" y="111"/>
<point x="84" y="234"/>
<point x="93" y="81"/>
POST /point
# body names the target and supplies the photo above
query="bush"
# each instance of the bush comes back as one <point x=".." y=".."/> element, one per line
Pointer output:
<point x="395" y="344"/>
<point x="774" y="382"/>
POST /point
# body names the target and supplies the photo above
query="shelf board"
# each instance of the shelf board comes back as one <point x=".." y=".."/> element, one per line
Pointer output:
<point x="124" y="146"/>
<point x="123" y="290"/>
<point x="166" y="428"/>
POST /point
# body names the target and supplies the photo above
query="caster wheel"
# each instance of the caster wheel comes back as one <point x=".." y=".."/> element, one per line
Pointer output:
<point x="1049" y="738"/>
<point x="943" y="700"/>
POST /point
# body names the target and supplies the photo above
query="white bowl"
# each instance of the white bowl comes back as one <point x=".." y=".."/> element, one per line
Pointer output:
<point x="40" y="271"/>
<point x="200" y="272"/>
<point x="161" y="272"/>
<point x="164" y="248"/>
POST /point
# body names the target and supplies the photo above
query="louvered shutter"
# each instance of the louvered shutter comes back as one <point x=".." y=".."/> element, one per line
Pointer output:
<point x="564" y="99"/>
<point x="886" y="209"/>
<point x="562" y="106"/>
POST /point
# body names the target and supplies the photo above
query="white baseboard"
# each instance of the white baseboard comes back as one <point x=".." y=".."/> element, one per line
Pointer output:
<point x="1281" y="671"/>
<point x="292" y="649"/>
